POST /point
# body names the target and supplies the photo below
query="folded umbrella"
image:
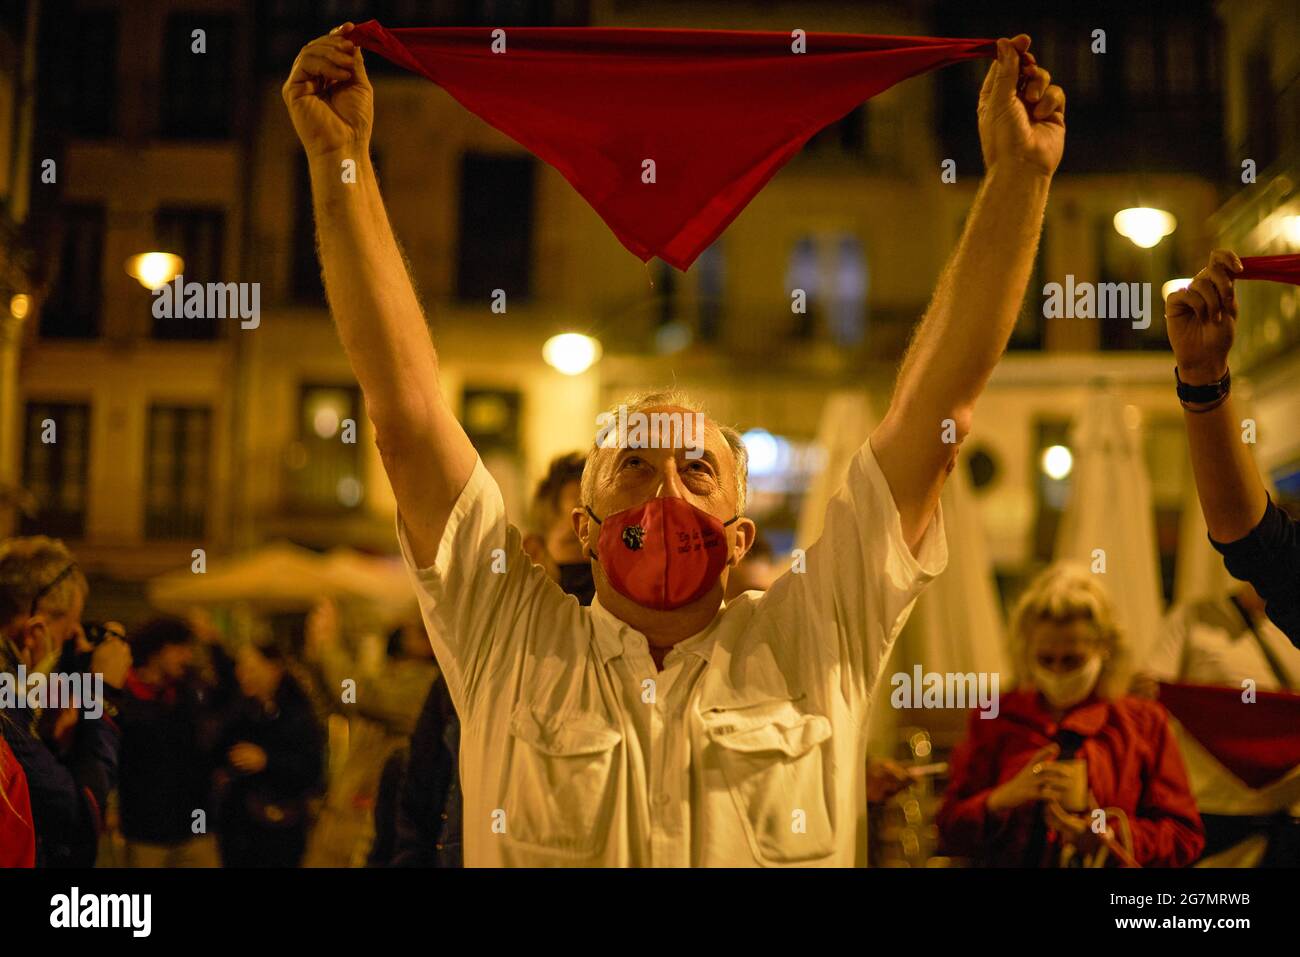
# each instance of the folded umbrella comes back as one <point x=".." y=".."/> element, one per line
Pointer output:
<point x="668" y="134"/>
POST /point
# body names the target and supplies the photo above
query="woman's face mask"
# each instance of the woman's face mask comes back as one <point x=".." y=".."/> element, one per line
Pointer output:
<point x="1065" y="689"/>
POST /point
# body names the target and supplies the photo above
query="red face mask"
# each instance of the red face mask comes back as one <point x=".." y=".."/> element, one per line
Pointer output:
<point x="664" y="553"/>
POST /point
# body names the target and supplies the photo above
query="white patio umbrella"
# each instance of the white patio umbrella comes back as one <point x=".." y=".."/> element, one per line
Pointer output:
<point x="956" y="624"/>
<point x="1108" y="518"/>
<point x="278" y="576"/>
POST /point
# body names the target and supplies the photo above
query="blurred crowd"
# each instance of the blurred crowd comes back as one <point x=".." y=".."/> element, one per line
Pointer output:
<point x="322" y="752"/>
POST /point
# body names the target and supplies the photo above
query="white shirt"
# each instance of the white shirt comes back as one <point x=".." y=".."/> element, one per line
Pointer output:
<point x="749" y="748"/>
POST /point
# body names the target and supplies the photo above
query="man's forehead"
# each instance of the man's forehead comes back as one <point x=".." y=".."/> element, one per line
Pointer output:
<point x="714" y="441"/>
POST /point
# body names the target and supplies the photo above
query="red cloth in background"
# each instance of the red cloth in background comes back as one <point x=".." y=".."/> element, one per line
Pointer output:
<point x="1272" y="268"/>
<point x="1258" y="742"/>
<point x="718" y="111"/>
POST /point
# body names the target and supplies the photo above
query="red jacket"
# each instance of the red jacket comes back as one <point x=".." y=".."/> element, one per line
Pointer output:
<point x="17" y="836"/>
<point x="1133" y="764"/>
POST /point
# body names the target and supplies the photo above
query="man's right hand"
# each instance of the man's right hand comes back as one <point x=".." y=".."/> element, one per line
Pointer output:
<point x="329" y="96"/>
<point x="1202" y="319"/>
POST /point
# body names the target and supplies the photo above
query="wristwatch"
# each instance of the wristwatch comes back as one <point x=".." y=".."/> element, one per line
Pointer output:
<point x="1208" y="396"/>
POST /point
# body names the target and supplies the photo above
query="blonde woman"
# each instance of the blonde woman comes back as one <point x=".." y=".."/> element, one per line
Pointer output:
<point x="1070" y="771"/>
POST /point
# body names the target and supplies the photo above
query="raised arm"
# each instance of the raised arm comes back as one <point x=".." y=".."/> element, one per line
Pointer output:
<point x="974" y="309"/>
<point x="1201" y="322"/>
<point x="426" y="453"/>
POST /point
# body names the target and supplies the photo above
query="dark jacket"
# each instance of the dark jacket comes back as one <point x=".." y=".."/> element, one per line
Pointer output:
<point x="167" y="761"/>
<point x="68" y="792"/>
<point x="429" y="802"/>
<point x="294" y="744"/>
<point x="1269" y="558"/>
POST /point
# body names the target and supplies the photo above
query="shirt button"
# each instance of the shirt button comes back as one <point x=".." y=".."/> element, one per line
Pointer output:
<point x="438" y="847"/>
<point x="444" y="815"/>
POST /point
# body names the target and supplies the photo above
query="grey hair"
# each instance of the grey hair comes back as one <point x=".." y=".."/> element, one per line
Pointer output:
<point x="640" y="402"/>
<point x="28" y="565"/>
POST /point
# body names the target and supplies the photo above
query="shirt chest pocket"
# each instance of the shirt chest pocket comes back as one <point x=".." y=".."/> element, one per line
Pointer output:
<point x="778" y="765"/>
<point x="562" y="782"/>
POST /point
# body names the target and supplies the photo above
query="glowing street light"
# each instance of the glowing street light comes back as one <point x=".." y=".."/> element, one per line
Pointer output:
<point x="571" y="352"/>
<point x="1144" y="225"/>
<point x="154" y="270"/>
<point x="1173" y="285"/>
<point x="1057" y="462"/>
<point x="1291" y="230"/>
<point x="19" y="305"/>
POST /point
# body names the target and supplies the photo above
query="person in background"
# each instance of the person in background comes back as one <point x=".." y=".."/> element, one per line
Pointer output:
<point x="1026" y="786"/>
<point x="42" y="596"/>
<point x="1226" y="641"/>
<point x="17" y="834"/>
<point x="424" y="795"/>
<point x="1259" y="541"/>
<point x="273" y="765"/>
<point x="551" y="542"/>
<point x="380" y="695"/>
<point x="167" y="758"/>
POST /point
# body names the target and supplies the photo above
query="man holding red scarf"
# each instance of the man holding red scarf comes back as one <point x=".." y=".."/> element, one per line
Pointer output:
<point x="662" y="726"/>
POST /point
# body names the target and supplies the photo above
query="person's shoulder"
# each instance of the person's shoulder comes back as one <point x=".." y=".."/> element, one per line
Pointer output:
<point x="1145" y="713"/>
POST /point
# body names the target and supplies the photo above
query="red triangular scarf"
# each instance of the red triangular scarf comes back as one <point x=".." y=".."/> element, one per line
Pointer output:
<point x="1272" y="268"/>
<point x="719" y="112"/>
<point x="1258" y="742"/>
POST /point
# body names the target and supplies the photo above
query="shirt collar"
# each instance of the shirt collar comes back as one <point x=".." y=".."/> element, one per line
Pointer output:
<point x="1086" y="718"/>
<point x="611" y="632"/>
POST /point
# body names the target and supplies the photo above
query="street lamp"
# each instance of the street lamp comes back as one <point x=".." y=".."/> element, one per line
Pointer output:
<point x="1057" y="462"/>
<point x="154" y="270"/>
<point x="571" y="352"/>
<point x="1291" y="230"/>
<point x="1144" y="225"/>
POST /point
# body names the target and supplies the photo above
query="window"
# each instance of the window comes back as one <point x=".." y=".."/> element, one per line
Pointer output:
<point x="306" y="287"/>
<point x="325" y="463"/>
<point x="846" y="311"/>
<point x="710" y="290"/>
<point x="803" y="274"/>
<point x="1120" y="261"/>
<point x="56" y="452"/>
<point x="73" y="309"/>
<point x="81" y="77"/>
<point x="492" y="419"/>
<point x="179" y="458"/>
<point x="197" y="87"/>
<point x="1028" y="331"/>
<point x="496" y="226"/>
<point x="831" y="270"/>
<point x="197" y="236"/>
<point x="847" y="136"/>
<point x="1261" y="107"/>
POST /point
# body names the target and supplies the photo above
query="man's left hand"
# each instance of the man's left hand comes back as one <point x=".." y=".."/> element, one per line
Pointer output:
<point x="1021" y="113"/>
